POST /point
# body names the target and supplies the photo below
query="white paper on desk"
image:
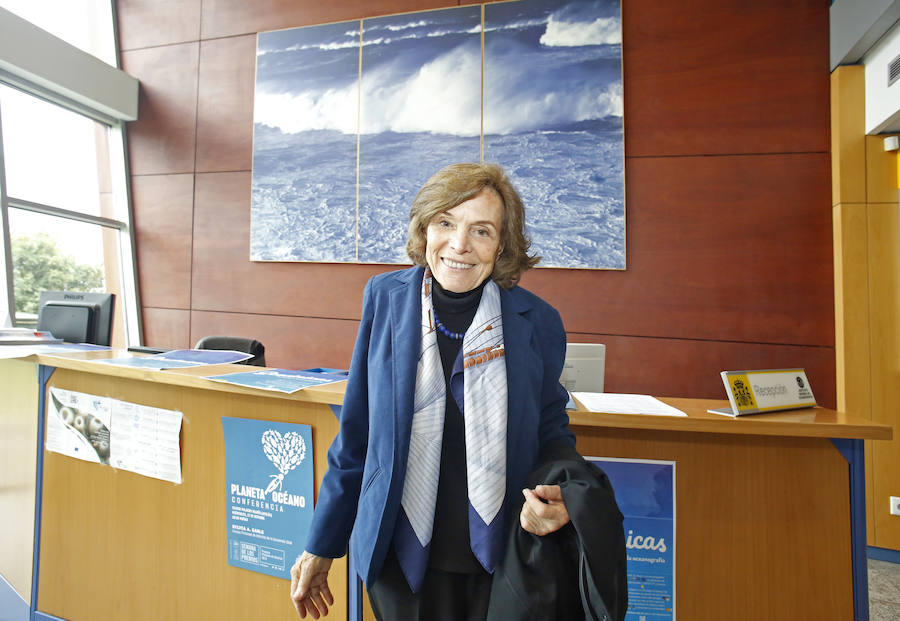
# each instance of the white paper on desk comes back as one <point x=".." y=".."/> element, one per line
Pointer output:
<point x="17" y="351"/>
<point x="618" y="403"/>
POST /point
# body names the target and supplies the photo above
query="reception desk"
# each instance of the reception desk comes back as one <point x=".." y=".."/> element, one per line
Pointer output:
<point x="769" y="508"/>
<point x="114" y="545"/>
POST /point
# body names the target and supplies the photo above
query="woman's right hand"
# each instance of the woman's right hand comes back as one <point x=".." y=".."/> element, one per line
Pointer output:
<point x="309" y="585"/>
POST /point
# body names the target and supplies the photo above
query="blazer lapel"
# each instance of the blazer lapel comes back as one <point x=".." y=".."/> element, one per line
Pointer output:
<point x="517" y="330"/>
<point x="406" y="334"/>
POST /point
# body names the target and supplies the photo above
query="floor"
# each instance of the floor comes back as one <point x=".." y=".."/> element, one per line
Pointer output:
<point x="884" y="591"/>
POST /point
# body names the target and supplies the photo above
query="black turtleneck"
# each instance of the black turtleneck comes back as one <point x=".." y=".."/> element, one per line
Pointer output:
<point x="450" y="546"/>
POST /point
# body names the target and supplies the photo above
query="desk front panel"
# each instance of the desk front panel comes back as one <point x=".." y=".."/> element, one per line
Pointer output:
<point x="117" y="545"/>
<point x="18" y="459"/>
<point x="762" y="523"/>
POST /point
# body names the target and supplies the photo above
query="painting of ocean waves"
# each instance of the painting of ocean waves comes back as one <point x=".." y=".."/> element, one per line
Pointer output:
<point x="553" y="120"/>
<point x="420" y="110"/>
<point x="351" y="119"/>
<point x="304" y="145"/>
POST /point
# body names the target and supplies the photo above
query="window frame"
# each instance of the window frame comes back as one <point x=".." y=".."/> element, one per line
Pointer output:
<point x="111" y="106"/>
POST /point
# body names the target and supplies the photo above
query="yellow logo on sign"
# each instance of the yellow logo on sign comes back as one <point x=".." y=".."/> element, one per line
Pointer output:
<point x="743" y="396"/>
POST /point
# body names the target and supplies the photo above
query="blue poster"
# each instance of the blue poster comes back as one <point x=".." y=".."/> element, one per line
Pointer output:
<point x="269" y="493"/>
<point x="645" y="492"/>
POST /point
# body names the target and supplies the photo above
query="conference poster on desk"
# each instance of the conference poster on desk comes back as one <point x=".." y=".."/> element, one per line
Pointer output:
<point x="269" y="493"/>
<point x="645" y="493"/>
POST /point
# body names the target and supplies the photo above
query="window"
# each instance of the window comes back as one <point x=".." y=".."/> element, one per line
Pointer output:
<point x="86" y="24"/>
<point x="63" y="195"/>
<point x="43" y="141"/>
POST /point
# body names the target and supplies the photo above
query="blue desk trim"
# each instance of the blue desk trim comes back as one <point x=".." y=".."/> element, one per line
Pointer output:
<point x="884" y="554"/>
<point x="44" y="373"/>
<point x="854" y="452"/>
<point x="354" y="584"/>
<point x="43" y="616"/>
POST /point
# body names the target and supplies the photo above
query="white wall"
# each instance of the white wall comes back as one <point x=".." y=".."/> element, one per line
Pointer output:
<point x="882" y="101"/>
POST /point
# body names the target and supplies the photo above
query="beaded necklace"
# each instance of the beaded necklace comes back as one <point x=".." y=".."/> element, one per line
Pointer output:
<point x="457" y="336"/>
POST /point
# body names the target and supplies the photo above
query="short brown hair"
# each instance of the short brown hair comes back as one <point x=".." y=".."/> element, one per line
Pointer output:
<point x="457" y="183"/>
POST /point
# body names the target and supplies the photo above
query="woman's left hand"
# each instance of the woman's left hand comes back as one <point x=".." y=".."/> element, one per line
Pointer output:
<point x="544" y="511"/>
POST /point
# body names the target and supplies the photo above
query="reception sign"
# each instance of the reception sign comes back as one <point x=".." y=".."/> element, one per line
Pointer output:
<point x="645" y="492"/>
<point x="269" y="493"/>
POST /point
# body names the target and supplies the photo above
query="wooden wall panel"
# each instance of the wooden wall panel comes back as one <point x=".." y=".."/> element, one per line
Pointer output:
<point x="729" y="248"/>
<point x="163" y="220"/>
<point x="225" y="104"/>
<point x="729" y="257"/>
<point x="689" y="368"/>
<point x="162" y="141"/>
<point x="148" y="23"/>
<point x="848" y="134"/>
<point x="853" y="359"/>
<point x="222" y="18"/>
<point x="167" y="328"/>
<point x="729" y="76"/>
<point x="291" y="342"/>
<point x="226" y="280"/>
<point x="851" y="290"/>
<point x="881" y="172"/>
<point x="884" y="300"/>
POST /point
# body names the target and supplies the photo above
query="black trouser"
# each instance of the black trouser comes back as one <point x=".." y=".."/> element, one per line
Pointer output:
<point x="444" y="596"/>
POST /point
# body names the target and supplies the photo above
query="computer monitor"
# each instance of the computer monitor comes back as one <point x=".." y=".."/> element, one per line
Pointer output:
<point x="584" y="367"/>
<point x="77" y="317"/>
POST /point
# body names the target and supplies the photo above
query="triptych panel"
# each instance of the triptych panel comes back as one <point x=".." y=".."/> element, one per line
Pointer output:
<point x="351" y="119"/>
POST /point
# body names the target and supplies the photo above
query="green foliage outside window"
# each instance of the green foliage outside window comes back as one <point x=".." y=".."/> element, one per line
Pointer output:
<point x="39" y="265"/>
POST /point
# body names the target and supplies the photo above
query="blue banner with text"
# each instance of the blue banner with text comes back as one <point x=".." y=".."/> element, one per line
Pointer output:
<point x="269" y="493"/>
<point x="645" y="493"/>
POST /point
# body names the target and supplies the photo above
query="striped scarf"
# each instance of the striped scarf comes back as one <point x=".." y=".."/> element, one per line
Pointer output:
<point x="478" y="383"/>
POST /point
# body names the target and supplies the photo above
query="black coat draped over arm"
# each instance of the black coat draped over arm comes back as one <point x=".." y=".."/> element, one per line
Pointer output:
<point x="578" y="572"/>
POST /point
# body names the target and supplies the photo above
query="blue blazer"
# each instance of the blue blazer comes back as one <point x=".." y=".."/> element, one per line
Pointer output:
<point x="360" y="494"/>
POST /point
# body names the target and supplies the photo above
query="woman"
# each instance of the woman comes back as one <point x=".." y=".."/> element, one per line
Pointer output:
<point x="453" y="393"/>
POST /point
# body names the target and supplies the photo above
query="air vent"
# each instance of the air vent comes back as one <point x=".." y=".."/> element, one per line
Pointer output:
<point x="894" y="71"/>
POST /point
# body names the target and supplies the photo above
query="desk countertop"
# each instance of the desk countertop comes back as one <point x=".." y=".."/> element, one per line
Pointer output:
<point x="810" y="422"/>
<point x="815" y="422"/>
<point x="191" y="377"/>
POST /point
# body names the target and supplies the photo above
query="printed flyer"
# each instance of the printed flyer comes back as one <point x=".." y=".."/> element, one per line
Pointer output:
<point x="146" y="441"/>
<point x="278" y="380"/>
<point x="269" y="493"/>
<point x="78" y="425"/>
<point x="127" y="436"/>
<point x="178" y="359"/>
<point x="645" y="492"/>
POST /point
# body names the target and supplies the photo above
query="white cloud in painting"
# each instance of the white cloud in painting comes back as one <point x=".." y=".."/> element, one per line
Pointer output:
<point x="601" y="31"/>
